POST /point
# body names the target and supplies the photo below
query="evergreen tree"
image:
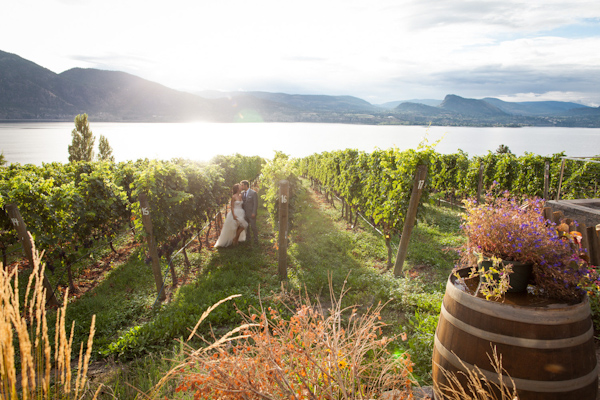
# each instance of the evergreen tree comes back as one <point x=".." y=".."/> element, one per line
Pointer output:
<point x="503" y="149"/>
<point x="82" y="147"/>
<point x="104" y="150"/>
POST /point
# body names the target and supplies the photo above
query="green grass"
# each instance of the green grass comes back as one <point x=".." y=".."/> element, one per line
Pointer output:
<point x="127" y="380"/>
<point x="227" y="271"/>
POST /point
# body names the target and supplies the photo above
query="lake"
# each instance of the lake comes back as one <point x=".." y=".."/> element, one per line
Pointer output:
<point x="37" y="142"/>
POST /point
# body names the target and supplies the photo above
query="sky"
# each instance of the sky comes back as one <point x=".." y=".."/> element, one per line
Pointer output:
<point x="378" y="50"/>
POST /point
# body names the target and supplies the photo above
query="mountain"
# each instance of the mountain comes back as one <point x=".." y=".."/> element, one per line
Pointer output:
<point x="114" y="94"/>
<point x="419" y="109"/>
<point x="537" y="108"/>
<point x="28" y="91"/>
<point x="31" y="92"/>
<point x="585" y="111"/>
<point x="301" y="102"/>
<point x="456" y="110"/>
<point x="471" y="107"/>
<point x="318" y="103"/>
<point x="427" y="102"/>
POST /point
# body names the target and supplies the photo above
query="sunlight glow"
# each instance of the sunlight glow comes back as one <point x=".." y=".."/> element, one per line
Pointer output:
<point x="383" y="51"/>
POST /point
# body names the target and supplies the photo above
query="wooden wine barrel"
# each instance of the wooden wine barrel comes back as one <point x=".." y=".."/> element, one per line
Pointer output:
<point x="548" y="351"/>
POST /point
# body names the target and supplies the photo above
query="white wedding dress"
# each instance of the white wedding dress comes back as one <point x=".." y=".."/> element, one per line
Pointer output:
<point x="231" y="225"/>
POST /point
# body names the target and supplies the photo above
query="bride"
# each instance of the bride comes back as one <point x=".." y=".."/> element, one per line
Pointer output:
<point x="234" y="229"/>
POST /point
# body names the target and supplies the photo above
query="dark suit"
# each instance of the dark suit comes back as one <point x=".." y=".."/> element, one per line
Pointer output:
<point x="250" y="207"/>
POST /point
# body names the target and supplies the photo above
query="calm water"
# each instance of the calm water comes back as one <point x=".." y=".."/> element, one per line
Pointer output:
<point x="48" y="141"/>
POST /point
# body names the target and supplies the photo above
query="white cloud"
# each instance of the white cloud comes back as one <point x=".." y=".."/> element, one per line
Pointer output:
<point x="575" y="97"/>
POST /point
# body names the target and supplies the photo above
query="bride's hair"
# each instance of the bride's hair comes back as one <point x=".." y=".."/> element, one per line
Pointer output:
<point x="235" y="188"/>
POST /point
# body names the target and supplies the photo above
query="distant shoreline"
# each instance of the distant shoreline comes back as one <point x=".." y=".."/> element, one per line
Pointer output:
<point x="326" y="122"/>
<point x="412" y="123"/>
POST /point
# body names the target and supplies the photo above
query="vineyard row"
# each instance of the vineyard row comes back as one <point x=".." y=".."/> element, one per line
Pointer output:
<point x="379" y="184"/>
<point x="69" y="207"/>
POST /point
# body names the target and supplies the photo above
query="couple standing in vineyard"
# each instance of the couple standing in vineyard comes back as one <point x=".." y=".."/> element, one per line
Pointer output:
<point x="241" y="218"/>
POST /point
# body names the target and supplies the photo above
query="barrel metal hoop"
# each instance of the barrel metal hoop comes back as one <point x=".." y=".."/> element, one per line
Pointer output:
<point x="531" y="315"/>
<point x="517" y="341"/>
<point x="521" y="384"/>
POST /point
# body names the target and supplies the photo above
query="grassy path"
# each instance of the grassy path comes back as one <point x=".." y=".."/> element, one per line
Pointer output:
<point x="323" y="243"/>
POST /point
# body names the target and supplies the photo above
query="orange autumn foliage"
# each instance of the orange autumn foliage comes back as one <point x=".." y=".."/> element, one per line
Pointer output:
<point x="310" y="356"/>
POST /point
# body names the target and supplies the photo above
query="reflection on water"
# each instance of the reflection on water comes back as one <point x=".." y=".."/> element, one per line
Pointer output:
<point x="47" y="142"/>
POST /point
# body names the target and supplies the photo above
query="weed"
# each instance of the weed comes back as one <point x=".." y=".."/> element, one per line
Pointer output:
<point x="474" y="385"/>
<point x="32" y="344"/>
<point x="309" y="356"/>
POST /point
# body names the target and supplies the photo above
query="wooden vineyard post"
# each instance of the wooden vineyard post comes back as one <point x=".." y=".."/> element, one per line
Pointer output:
<point x="547" y="213"/>
<point x="284" y="192"/>
<point x="411" y="215"/>
<point x="594" y="245"/>
<point x="28" y="248"/>
<point x="147" y="221"/>
<point x="585" y="243"/>
<point x="557" y="216"/>
<point x="562" y="171"/>
<point x="480" y="183"/>
<point x="546" y="180"/>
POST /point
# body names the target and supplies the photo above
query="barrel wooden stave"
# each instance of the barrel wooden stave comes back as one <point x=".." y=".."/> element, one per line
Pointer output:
<point x="552" y="356"/>
<point x="535" y="328"/>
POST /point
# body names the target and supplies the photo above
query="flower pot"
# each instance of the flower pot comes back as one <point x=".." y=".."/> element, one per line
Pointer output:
<point x="547" y="347"/>
<point x="518" y="279"/>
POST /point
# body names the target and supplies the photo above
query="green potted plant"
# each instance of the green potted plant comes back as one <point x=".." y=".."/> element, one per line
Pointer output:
<point x="510" y="236"/>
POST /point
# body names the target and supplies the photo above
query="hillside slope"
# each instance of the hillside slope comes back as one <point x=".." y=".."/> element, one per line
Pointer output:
<point x="471" y="107"/>
<point x="28" y="90"/>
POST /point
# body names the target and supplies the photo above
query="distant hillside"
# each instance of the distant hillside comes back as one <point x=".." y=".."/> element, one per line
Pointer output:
<point x="456" y="110"/>
<point x="427" y="102"/>
<point x="318" y="102"/>
<point x="537" y="108"/>
<point x="31" y="92"/>
<point x="113" y="94"/>
<point x="301" y="102"/>
<point x="28" y="91"/>
<point x="419" y="109"/>
<point x="584" y="111"/>
<point x="471" y="107"/>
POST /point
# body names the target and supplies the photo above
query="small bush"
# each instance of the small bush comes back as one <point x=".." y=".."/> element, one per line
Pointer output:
<point x="309" y="356"/>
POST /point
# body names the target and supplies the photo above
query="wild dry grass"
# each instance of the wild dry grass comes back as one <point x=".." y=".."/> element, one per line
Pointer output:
<point x="309" y="356"/>
<point x="28" y="367"/>
<point x="474" y="385"/>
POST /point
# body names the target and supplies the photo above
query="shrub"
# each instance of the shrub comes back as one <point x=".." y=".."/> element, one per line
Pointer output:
<point x="343" y="355"/>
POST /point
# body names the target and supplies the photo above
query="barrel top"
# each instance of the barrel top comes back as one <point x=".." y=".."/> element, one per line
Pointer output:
<point x="517" y="306"/>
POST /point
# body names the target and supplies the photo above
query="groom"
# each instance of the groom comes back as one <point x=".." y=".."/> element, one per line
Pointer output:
<point x="250" y="207"/>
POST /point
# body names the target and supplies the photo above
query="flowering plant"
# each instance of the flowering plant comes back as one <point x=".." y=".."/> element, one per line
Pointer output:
<point x="507" y="229"/>
<point x="514" y="230"/>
